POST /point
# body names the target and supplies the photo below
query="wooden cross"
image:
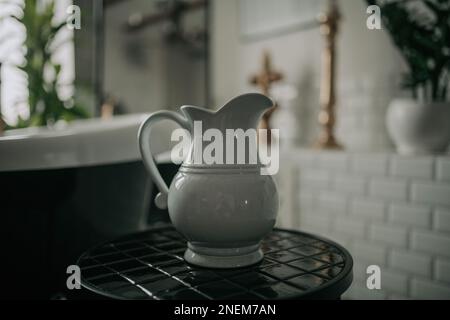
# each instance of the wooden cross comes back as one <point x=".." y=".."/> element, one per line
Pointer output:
<point x="264" y="81"/>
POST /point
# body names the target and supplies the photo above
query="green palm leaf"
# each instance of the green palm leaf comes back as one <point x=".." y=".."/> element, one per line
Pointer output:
<point x="44" y="103"/>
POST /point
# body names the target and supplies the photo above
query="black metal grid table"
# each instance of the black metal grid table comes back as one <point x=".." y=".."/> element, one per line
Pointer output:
<point x="150" y="265"/>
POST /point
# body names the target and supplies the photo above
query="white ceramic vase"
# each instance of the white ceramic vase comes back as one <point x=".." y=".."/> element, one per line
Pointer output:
<point x="419" y="128"/>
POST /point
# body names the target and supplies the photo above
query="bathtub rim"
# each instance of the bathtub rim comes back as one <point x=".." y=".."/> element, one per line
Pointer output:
<point x="81" y="143"/>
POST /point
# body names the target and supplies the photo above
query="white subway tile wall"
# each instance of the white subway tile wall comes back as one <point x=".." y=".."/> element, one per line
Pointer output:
<point x="395" y="283"/>
<point x="443" y="169"/>
<point x="361" y="112"/>
<point x="415" y="263"/>
<point x="442" y="219"/>
<point x="442" y="269"/>
<point x="386" y="209"/>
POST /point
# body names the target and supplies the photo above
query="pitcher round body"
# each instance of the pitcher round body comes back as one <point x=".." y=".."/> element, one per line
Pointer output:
<point x="223" y="213"/>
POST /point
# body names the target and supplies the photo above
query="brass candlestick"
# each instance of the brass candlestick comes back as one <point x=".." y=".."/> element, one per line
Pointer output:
<point x="264" y="81"/>
<point x="328" y="27"/>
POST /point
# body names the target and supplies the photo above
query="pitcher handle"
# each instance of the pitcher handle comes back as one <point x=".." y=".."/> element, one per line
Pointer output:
<point x="147" y="156"/>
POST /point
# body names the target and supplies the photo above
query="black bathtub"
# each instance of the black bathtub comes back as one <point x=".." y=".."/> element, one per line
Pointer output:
<point x="83" y="187"/>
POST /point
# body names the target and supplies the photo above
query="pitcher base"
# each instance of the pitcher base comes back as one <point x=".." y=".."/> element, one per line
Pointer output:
<point x="223" y="258"/>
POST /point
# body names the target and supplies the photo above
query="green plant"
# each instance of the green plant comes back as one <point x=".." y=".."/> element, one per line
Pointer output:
<point x="421" y="30"/>
<point x="45" y="105"/>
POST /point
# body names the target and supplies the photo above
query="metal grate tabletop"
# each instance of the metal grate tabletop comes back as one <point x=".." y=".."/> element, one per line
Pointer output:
<point x="150" y="265"/>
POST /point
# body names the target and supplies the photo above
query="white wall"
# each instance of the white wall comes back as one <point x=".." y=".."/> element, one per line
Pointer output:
<point x="369" y="68"/>
<point x="387" y="210"/>
<point x="145" y="72"/>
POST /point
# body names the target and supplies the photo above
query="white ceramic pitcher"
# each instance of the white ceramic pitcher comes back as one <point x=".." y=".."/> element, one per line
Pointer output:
<point x="223" y="210"/>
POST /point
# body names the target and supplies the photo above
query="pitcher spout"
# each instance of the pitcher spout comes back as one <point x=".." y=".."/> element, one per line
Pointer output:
<point x="249" y="104"/>
<point x="194" y="113"/>
<point x="244" y="111"/>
